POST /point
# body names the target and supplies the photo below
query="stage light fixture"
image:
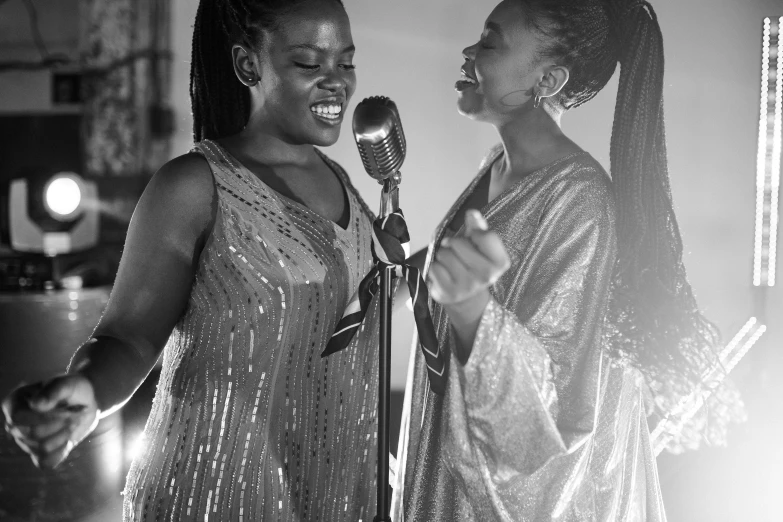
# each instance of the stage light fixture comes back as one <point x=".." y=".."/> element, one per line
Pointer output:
<point x="63" y="196"/>
<point x="52" y="214"/>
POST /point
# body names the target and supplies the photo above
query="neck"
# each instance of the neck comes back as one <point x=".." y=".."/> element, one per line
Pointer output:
<point x="532" y="140"/>
<point x="263" y="143"/>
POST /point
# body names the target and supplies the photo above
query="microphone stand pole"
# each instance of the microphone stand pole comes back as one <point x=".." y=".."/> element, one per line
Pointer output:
<point x="389" y="204"/>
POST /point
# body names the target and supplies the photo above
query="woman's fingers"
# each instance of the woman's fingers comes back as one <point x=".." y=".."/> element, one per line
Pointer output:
<point x="55" y="394"/>
<point x="440" y="280"/>
<point x="48" y="425"/>
<point x="53" y="458"/>
<point x="49" y="451"/>
<point x="55" y="441"/>
<point x="452" y="279"/>
<point x="22" y="437"/>
<point x="472" y="258"/>
<point x="18" y="401"/>
<point x="475" y="221"/>
<point x="27" y="445"/>
<point x="491" y="247"/>
<point x="463" y="265"/>
<point x="48" y="419"/>
<point x="458" y="272"/>
<point x="488" y="243"/>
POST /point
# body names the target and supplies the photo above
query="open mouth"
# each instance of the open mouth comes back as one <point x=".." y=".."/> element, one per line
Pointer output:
<point x="467" y="77"/>
<point x="465" y="81"/>
<point x="327" y="111"/>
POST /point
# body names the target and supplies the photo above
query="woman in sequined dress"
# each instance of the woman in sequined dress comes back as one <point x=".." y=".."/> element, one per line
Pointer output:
<point x="564" y="301"/>
<point x="240" y="258"/>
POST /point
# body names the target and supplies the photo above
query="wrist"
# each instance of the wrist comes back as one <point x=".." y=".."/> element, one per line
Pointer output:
<point x="465" y="318"/>
<point x="469" y="310"/>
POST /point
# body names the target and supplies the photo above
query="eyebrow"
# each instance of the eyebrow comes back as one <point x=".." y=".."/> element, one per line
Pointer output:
<point x="310" y="47"/>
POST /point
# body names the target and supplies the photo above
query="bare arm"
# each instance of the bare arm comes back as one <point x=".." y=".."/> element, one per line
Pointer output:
<point x="166" y="235"/>
<point x="150" y="294"/>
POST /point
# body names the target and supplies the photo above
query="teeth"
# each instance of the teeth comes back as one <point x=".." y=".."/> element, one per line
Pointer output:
<point x="467" y="78"/>
<point x="331" y="111"/>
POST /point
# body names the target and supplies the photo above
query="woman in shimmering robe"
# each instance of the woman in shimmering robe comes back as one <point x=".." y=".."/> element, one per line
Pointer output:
<point x="539" y="424"/>
<point x="564" y="314"/>
<point x="553" y="346"/>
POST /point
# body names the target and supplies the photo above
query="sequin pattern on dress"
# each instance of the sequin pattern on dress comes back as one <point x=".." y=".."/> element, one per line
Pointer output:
<point x="248" y="422"/>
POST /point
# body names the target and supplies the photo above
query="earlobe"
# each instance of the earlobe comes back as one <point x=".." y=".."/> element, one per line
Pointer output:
<point x="243" y="66"/>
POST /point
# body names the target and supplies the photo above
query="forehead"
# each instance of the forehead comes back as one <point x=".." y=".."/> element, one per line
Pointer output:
<point x="511" y="23"/>
<point x="508" y="19"/>
<point x="321" y="24"/>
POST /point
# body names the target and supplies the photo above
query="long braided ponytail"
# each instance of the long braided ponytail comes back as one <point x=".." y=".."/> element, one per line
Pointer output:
<point x="220" y="103"/>
<point x="653" y="319"/>
<point x="653" y="304"/>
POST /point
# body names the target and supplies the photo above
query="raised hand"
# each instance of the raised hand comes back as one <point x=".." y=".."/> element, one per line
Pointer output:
<point x="460" y="276"/>
<point x="48" y="419"/>
<point x="466" y="266"/>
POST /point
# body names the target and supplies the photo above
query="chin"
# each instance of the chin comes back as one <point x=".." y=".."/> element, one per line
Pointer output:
<point x="466" y="108"/>
<point x="314" y="136"/>
<point x="469" y="113"/>
<point x="326" y="139"/>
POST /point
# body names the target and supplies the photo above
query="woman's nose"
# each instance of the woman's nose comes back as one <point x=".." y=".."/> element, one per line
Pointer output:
<point x="469" y="53"/>
<point x="333" y="81"/>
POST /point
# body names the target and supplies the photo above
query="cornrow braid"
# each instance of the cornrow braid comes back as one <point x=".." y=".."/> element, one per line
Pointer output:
<point x="220" y="103"/>
<point x="653" y="319"/>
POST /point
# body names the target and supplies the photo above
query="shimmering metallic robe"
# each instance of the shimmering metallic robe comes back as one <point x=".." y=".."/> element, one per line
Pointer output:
<point x="249" y="423"/>
<point x="539" y="424"/>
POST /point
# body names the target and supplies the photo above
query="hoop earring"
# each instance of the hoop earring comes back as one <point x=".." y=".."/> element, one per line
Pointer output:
<point x="537" y="100"/>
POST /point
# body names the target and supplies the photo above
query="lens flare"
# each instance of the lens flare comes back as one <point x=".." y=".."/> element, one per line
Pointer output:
<point x="136" y="447"/>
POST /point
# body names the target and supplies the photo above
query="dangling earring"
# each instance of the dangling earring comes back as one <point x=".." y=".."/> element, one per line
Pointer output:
<point x="537" y="100"/>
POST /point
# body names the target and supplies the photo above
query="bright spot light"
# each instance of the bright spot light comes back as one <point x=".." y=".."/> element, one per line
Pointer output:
<point x="770" y="139"/>
<point x="135" y="447"/>
<point x="63" y="196"/>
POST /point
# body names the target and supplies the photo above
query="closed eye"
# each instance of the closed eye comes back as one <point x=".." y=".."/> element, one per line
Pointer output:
<point x="483" y="44"/>
<point x="306" y="66"/>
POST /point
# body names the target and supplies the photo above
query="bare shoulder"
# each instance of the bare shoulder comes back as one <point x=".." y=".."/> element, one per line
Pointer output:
<point x="183" y="191"/>
<point x="188" y="176"/>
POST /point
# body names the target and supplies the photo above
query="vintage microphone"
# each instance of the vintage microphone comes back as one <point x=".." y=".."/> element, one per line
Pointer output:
<point x="381" y="141"/>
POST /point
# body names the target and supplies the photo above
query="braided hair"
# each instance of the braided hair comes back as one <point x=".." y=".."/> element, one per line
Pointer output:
<point x="220" y="103"/>
<point x="653" y="318"/>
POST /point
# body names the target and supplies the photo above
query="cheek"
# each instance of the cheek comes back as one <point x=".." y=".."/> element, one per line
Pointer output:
<point x="350" y="85"/>
<point x="504" y="85"/>
<point x="288" y="93"/>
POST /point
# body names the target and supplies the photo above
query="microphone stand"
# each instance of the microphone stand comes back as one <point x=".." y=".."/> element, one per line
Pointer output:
<point x="389" y="205"/>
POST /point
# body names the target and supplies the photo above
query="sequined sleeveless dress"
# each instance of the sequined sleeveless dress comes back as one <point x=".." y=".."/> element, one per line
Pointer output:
<point x="248" y="422"/>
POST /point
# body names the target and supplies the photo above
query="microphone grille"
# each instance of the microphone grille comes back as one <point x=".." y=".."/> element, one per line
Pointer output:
<point x="379" y="136"/>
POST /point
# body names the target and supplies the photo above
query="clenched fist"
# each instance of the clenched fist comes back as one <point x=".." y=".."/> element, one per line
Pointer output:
<point x="48" y="419"/>
<point x="465" y="266"/>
